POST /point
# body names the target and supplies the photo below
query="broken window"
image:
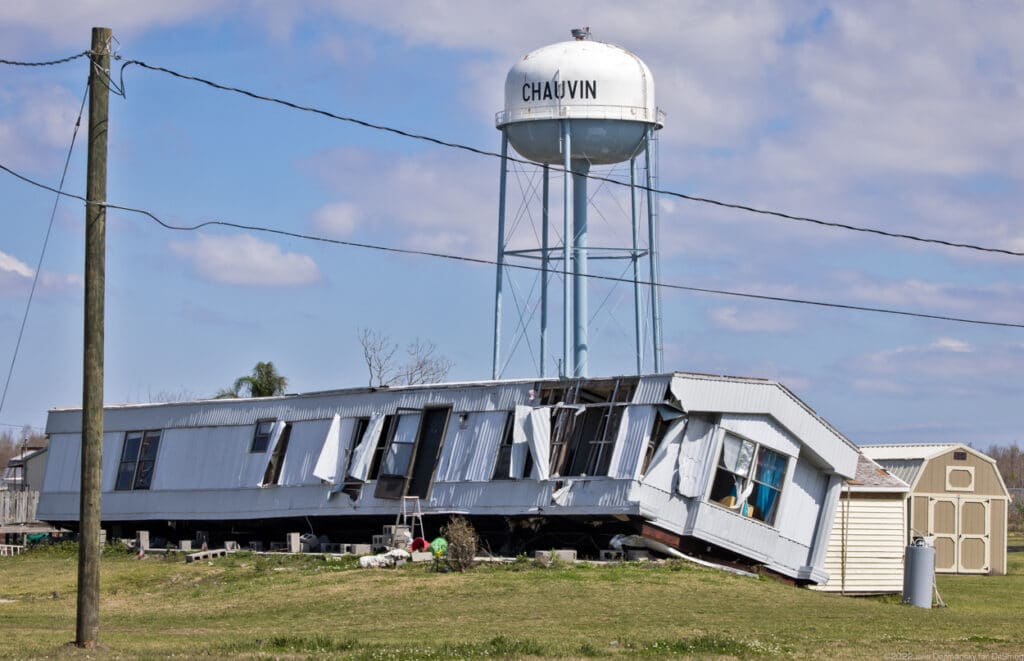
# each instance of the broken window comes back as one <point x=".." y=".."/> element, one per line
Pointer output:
<point x="584" y="428"/>
<point x="138" y="459"/>
<point x="261" y="437"/>
<point x="503" y="464"/>
<point x="748" y="478"/>
<point x="276" y="462"/>
<point x="386" y="434"/>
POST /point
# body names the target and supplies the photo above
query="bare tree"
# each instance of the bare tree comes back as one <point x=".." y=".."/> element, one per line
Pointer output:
<point x="423" y="362"/>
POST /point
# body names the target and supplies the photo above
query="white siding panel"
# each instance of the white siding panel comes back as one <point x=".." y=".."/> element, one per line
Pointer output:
<point x="307" y="438"/>
<point x="764" y="430"/>
<point x="865" y="550"/>
<point x="801" y="502"/>
<point x="469" y="454"/>
<point x="63" y="463"/>
<point x="208" y="458"/>
<point x="663" y="471"/>
<point x="696" y="456"/>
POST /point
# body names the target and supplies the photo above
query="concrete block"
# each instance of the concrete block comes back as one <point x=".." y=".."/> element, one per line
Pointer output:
<point x="293" y="542"/>
<point x="103" y="537"/>
<point x="422" y="556"/>
<point x="360" y="549"/>
<point x="634" y="555"/>
<point x="565" y="555"/>
<point x="231" y="546"/>
<point x="185" y="545"/>
<point x="610" y="555"/>
<point x="142" y="539"/>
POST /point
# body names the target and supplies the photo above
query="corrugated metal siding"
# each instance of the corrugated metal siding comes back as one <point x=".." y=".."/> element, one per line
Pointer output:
<point x="652" y="389"/>
<point x="905" y="469"/>
<point x="487" y="397"/>
<point x="469" y="454"/>
<point x="207" y="458"/>
<point x="307" y="438"/>
<point x="874" y="530"/>
<point x="634" y="430"/>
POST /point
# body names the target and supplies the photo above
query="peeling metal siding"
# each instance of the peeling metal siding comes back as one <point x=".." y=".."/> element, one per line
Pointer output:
<point x="652" y="389"/>
<point x="634" y="430"/>
<point x="696" y="456"/>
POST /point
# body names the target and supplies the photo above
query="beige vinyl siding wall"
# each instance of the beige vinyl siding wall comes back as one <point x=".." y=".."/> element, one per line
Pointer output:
<point x="865" y="550"/>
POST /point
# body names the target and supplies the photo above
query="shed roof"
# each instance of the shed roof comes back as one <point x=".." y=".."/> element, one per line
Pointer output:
<point x="908" y="450"/>
<point x="873" y="477"/>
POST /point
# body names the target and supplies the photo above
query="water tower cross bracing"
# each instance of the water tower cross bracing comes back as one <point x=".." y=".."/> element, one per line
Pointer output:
<point x="578" y="104"/>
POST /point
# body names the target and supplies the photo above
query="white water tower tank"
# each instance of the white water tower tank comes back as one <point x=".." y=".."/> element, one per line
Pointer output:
<point x="607" y="92"/>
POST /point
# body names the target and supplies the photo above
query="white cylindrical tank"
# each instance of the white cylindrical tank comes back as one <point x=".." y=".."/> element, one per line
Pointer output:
<point x="607" y="92"/>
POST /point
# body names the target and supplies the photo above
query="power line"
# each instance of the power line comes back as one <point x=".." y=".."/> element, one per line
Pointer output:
<point x="525" y="267"/>
<point x="42" y="252"/>
<point x="48" y="63"/>
<point x="484" y="152"/>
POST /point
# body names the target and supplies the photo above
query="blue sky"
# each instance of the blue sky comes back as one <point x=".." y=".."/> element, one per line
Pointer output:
<point x="901" y="116"/>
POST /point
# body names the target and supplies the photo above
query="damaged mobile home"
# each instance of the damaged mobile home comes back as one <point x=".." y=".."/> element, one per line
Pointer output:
<point x="735" y="466"/>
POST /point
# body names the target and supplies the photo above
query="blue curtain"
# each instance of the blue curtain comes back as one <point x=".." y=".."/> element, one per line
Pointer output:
<point x="771" y="466"/>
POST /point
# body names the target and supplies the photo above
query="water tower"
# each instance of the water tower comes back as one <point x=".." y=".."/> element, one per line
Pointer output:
<point x="577" y="104"/>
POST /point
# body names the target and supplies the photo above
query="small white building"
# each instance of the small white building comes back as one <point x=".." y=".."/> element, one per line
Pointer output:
<point x="869" y="535"/>
<point x="694" y="461"/>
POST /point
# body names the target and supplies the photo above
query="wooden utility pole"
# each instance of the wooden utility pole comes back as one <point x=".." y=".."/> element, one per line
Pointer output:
<point x="88" y="621"/>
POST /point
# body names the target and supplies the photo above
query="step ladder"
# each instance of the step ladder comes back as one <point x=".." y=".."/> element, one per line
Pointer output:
<point x="411" y="516"/>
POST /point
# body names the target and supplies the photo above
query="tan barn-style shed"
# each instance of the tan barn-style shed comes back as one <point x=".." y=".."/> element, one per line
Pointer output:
<point x="869" y="534"/>
<point x="956" y="496"/>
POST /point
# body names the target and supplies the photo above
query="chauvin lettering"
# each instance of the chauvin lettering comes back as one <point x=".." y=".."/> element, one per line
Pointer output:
<point x="561" y="89"/>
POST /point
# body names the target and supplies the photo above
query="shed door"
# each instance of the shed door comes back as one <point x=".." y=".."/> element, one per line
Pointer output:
<point x="975" y="535"/>
<point x="962" y="530"/>
<point x="943" y="524"/>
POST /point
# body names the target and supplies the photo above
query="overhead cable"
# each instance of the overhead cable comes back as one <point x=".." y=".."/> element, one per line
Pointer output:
<point x="49" y="63"/>
<point x="484" y="152"/>
<point x="525" y="267"/>
<point x="42" y="253"/>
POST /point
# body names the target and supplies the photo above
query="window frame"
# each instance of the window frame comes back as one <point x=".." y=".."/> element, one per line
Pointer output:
<point x="140" y="468"/>
<point x="261" y="441"/>
<point x="757" y="461"/>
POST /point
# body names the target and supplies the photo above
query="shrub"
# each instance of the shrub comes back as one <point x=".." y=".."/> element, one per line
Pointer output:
<point x="462" y="543"/>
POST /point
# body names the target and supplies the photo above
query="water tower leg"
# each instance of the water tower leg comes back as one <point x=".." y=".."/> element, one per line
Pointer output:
<point x="652" y="238"/>
<point x="544" y="263"/>
<point x="580" y="266"/>
<point x="566" y="249"/>
<point x="635" y="258"/>
<point x="501" y="256"/>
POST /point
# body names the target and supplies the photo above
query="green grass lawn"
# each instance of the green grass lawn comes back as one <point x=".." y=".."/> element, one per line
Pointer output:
<point x="298" y="607"/>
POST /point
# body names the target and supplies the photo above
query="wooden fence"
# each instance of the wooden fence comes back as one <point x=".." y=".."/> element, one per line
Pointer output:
<point x="18" y="506"/>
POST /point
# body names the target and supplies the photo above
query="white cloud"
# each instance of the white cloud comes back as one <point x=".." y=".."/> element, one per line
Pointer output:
<point x="748" y="320"/>
<point x="246" y="260"/>
<point x="336" y="219"/>
<point x="36" y="124"/>
<point x="15" y="266"/>
<point x="16" y="278"/>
